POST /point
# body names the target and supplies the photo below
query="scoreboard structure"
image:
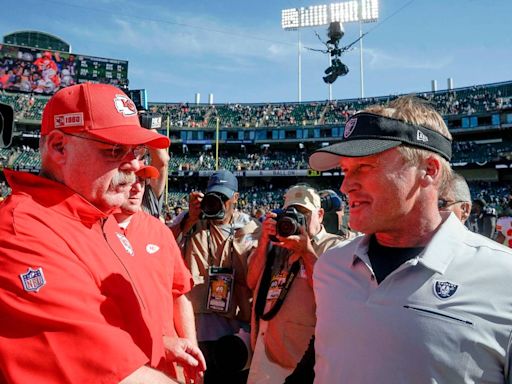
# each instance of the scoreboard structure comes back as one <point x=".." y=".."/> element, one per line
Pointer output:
<point x="98" y="69"/>
<point x="34" y="70"/>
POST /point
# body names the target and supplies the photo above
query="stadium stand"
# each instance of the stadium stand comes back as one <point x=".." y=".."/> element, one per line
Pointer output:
<point x="261" y="141"/>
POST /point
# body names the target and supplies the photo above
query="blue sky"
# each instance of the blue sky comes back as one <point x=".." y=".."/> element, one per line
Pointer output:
<point x="237" y="51"/>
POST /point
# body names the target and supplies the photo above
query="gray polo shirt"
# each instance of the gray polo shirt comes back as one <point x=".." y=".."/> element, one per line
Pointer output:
<point x="442" y="317"/>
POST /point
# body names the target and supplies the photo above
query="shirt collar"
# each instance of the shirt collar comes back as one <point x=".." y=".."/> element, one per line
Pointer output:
<point x="444" y="245"/>
<point x="54" y="195"/>
<point x="319" y="236"/>
<point x="439" y="252"/>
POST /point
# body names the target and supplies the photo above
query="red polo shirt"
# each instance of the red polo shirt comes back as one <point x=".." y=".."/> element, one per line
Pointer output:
<point x="148" y="248"/>
<point x="82" y="316"/>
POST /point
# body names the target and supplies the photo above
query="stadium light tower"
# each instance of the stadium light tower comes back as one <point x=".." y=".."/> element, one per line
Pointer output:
<point x="362" y="11"/>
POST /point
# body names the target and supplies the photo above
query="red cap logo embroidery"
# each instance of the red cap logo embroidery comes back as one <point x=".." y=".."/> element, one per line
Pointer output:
<point x="124" y="105"/>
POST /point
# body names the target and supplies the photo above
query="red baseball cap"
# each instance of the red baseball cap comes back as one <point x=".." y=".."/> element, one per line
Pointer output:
<point x="148" y="172"/>
<point x="101" y="110"/>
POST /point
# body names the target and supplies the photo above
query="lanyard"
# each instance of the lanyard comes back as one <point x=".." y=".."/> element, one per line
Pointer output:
<point x="229" y="240"/>
<point x="265" y="285"/>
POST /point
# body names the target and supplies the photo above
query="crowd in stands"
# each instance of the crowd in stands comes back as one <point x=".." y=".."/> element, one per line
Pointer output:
<point x="470" y="100"/>
<point x="465" y="101"/>
<point x="265" y="196"/>
<point x="205" y="161"/>
<point x="465" y="152"/>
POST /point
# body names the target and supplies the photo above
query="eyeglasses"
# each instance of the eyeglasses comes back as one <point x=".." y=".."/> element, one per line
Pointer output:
<point x="119" y="152"/>
<point x="443" y="204"/>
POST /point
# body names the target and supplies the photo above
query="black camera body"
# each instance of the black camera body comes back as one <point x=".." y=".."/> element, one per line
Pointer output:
<point x="212" y="206"/>
<point x="289" y="222"/>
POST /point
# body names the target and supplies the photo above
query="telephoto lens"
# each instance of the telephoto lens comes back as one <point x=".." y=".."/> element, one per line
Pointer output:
<point x="212" y="206"/>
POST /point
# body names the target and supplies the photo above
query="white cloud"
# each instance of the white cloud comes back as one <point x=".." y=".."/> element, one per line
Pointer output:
<point x="162" y="31"/>
<point x="379" y="59"/>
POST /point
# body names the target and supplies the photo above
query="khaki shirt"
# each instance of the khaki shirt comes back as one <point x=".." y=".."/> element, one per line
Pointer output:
<point x="289" y="331"/>
<point x="229" y="246"/>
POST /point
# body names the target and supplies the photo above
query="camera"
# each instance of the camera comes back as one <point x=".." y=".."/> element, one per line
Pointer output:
<point x="212" y="206"/>
<point x="330" y="201"/>
<point x="6" y="124"/>
<point x="150" y="120"/>
<point x="289" y="222"/>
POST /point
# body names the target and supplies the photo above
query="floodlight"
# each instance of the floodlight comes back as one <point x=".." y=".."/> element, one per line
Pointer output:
<point x="316" y="15"/>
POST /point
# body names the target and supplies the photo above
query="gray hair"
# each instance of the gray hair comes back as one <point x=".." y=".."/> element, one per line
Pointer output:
<point x="457" y="188"/>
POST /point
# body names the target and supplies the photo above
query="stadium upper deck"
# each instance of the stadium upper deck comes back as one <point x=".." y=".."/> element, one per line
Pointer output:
<point x="456" y="102"/>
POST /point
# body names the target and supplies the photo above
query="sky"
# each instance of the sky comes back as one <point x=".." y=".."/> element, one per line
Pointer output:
<point x="237" y="50"/>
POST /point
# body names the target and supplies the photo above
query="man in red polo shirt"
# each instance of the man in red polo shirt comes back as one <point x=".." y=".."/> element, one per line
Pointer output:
<point x="156" y="258"/>
<point x="72" y="308"/>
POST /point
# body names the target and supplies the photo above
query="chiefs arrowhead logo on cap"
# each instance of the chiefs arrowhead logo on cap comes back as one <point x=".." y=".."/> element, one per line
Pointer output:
<point x="124" y="105"/>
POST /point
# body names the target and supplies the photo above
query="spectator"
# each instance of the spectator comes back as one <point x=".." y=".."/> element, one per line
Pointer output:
<point x="455" y="197"/>
<point x="504" y="227"/>
<point x="482" y="219"/>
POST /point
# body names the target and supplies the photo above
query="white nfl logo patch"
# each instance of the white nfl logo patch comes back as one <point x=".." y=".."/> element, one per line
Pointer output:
<point x="349" y="127"/>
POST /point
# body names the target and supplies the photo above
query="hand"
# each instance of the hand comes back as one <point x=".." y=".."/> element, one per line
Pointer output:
<point x="299" y="244"/>
<point x="185" y="353"/>
<point x="268" y="227"/>
<point x="194" y="206"/>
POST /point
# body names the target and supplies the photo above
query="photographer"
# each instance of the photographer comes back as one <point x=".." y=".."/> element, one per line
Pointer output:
<point x="280" y="273"/>
<point x="216" y="240"/>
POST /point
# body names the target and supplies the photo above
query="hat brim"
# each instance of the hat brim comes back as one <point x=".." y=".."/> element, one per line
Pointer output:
<point x="220" y="189"/>
<point x="131" y="135"/>
<point x="329" y="157"/>
<point x="309" y="207"/>
<point x="148" y="172"/>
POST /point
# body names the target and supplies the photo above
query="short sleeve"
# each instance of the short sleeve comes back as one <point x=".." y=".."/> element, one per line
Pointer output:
<point x="59" y="333"/>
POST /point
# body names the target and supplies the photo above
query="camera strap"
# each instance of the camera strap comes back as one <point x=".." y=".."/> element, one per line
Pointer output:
<point x="220" y="252"/>
<point x="265" y="286"/>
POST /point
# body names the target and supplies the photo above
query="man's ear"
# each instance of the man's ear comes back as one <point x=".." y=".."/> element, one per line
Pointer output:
<point x="321" y="215"/>
<point x="466" y="211"/>
<point x="431" y="171"/>
<point x="55" y="146"/>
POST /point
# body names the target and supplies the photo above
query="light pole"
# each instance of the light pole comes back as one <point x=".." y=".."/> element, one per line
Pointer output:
<point x="318" y="15"/>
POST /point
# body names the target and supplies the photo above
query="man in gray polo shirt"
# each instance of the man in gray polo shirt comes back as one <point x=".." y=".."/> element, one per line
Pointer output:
<point x="418" y="299"/>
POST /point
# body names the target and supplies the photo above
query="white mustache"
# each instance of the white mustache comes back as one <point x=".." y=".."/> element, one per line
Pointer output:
<point x="123" y="178"/>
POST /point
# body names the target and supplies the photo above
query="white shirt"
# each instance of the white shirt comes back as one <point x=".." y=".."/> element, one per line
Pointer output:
<point x="442" y="317"/>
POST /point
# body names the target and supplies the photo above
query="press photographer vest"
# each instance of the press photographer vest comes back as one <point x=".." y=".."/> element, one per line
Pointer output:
<point x="226" y="245"/>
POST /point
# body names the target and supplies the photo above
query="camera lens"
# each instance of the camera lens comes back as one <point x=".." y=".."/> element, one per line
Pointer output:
<point x="212" y="206"/>
<point x="287" y="226"/>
